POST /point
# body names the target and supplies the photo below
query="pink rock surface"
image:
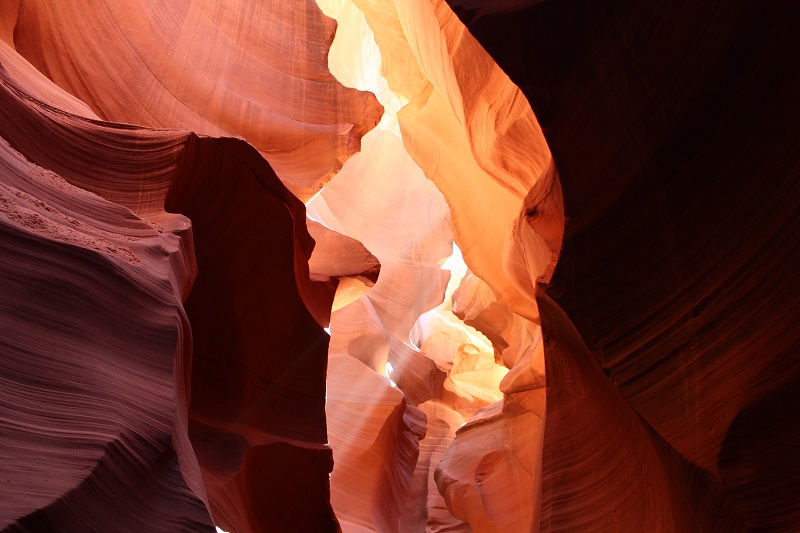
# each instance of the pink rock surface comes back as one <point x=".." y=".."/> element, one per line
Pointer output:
<point x="222" y="70"/>
<point x="382" y="198"/>
<point x="95" y="346"/>
<point x="614" y="353"/>
<point x="230" y="375"/>
<point x="425" y="508"/>
<point x="375" y="434"/>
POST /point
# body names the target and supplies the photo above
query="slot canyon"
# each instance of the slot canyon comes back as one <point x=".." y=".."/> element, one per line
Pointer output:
<point x="399" y="266"/>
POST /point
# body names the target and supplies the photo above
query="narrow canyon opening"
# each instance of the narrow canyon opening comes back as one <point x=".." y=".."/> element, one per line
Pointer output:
<point x="279" y="266"/>
<point x="450" y="439"/>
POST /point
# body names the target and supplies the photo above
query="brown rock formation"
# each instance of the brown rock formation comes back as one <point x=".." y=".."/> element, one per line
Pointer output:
<point x="587" y="325"/>
<point x="235" y="365"/>
<point x="217" y="69"/>
<point x="255" y="385"/>
<point x="95" y="345"/>
<point x="603" y="467"/>
<point x="676" y="151"/>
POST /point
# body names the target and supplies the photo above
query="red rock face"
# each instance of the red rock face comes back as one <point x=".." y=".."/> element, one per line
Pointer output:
<point x="215" y="69"/>
<point x="213" y="315"/>
<point x="96" y="342"/>
<point x="256" y="386"/>
<point x="674" y="131"/>
<point x="136" y="358"/>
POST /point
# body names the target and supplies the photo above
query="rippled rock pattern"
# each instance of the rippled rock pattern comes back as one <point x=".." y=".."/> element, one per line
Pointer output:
<point x="399" y="266"/>
<point x="675" y="131"/>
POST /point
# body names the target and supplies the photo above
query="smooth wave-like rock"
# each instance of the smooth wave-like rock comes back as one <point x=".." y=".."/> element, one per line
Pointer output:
<point x="590" y="480"/>
<point x="375" y="434"/>
<point x="677" y="153"/>
<point x="345" y="259"/>
<point x="32" y="82"/>
<point x="489" y="476"/>
<point x="425" y="509"/>
<point x="95" y="344"/>
<point x="429" y="61"/>
<point x="382" y="199"/>
<point x="256" y="409"/>
<point x="256" y="71"/>
<point x="259" y="348"/>
<point x="467" y="126"/>
<point x="616" y="352"/>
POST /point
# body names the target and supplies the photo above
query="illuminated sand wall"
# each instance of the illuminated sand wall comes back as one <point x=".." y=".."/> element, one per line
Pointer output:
<point x="398" y="265"/>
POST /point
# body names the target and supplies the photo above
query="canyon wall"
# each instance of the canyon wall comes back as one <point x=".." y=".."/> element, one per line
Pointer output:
<point x="399" y="265"/>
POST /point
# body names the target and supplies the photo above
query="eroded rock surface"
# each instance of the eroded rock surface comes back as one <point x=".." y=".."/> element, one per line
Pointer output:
<point x="676" y="152"/>
<point x="90" y="199"/>
<point x="488" y="321"/>
<point x="217" y="69"/>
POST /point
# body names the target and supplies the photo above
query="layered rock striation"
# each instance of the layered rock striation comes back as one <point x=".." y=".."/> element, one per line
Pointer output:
<point x="674" y="131"/>
<point x="216" y="311"/>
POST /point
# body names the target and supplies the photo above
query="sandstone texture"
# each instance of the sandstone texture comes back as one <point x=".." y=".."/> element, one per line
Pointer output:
<point x="399" y="266"/>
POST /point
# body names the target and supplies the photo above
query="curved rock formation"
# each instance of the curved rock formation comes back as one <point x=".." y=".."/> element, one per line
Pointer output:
<point x="467" y="127"/>
<point x="676" y="152"/>
<point x="233" y="363"/>
<point x="601" y="339"/>
<point x="425" y="508"/>
<point x="338" y="256"/>
<point x="259" y="349"/>
<point x="603" y="467"/>
<point x="382" y="199"/>
<point x="217" y="69"/>
<point x="375" y="437"/>
<point x="481" y="146"/>
<point x="96" y="345"/>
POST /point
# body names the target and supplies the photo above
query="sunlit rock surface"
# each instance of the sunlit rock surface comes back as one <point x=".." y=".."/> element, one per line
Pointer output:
<point x="217" y="69"/>
<point x="382" y="199"/>
<point x="478" y="169"/>
<point x="375" y="437"/>
<point x="466" y="125"/>
<point x="677" y="151"/>
<point x="487" y="320"/>
<point x="345" y="259"/>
